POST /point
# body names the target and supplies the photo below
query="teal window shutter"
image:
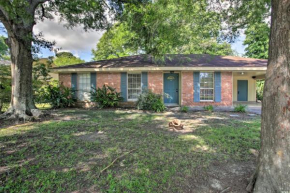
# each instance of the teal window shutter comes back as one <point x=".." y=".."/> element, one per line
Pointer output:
<point x="196" y="84"/>
<point x="217" y="87"/>
<point x="93" y="80"/>
<point x="74" y="83"/>
<point x="124" y="86"/>
<point x="144" y="81"/>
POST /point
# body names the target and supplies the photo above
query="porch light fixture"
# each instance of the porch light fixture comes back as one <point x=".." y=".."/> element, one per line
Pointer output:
<point x="242" y="73"/>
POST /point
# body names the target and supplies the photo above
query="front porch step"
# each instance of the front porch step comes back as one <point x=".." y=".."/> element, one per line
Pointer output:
<point x="171" y="105"/>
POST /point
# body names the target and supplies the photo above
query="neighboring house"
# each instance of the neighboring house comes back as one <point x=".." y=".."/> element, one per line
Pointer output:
<point x="191" y="80"/>
<point x="42" y="60"/>
<point x="45" y="61"/>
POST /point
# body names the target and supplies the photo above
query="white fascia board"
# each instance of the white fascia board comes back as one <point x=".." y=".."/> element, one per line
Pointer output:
<point x="69" y="70"/>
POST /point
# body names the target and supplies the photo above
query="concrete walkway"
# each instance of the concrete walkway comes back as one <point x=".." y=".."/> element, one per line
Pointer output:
<point x="252" y="107"/>
<point x="255" y="110"/>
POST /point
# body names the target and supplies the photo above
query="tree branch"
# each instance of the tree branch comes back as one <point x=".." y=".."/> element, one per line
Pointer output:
<point x="105" y="3"/>
<point x="42" y="11"/>
<point x="4" y="18"/>
<point x="3" y="15"/>
<point x="35" y="3"/>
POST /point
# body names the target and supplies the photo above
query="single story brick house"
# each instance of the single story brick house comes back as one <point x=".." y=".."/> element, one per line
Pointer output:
<point x="185" y="80"/>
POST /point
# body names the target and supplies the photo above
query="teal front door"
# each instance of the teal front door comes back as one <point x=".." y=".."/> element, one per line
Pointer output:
<point x="242" y="90"/>
<point x="171" y="88"/>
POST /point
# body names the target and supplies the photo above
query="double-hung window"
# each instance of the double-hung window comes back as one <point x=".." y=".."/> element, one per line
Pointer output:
<point x="84" y="87"/>
<point x="206" y="86"/>
<point x="134" y="86"/>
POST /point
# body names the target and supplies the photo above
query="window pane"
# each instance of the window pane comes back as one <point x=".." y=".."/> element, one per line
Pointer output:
<point x="206" y="86"/>
<point x="84" y="87"/>
<point x="206" y="94"/>
<point x="134" y="86"/>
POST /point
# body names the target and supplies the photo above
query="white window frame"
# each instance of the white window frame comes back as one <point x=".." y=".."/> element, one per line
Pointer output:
<point x="128" y="85"/>
<point x="81" y="90"/>
<point x="213" y="91"/>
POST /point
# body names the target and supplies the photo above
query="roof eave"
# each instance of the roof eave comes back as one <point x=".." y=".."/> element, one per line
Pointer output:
<point x="128" y="69"/>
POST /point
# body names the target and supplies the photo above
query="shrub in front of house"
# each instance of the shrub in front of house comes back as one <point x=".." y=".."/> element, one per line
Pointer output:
<point x="5" y="87"/>
<point x="106" y="96"/>
<point x="240" y="108"/>
<point x="184" y="109"/>
<point x="150" y="101"/>
<point x="58" y="96"/>
<point x="208" y="108"/>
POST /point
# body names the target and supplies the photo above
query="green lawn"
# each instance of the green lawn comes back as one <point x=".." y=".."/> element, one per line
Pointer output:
<point x="67" y="153"/>
<point x="42" y="106"/>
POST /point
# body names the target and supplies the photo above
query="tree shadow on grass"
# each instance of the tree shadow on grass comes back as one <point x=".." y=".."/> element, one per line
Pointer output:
<point x="63" y="156"/>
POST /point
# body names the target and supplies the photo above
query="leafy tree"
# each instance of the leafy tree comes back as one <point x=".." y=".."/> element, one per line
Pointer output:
<point x="164" y="27"/>
<point x="115" y="43"/>
<point x="119" y="41"/>
<point x="260" y="88"/>
<point x="20" y="16"/>
<point x="4" y="51"/>
<point x="66" y="58"/>
<point x="41" y="79"/>
<point x="64" y="54"/>
<point x="5" y="85"/>
<point x="257" y="40"/>
<point x="207" y="46"/>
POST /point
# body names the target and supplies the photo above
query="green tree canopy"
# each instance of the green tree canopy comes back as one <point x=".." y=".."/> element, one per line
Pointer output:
<point x="164" y="27"/>
<point x="206" y="46"/>
<point x="115" y="43"/>
<point x="167" y="26"/>
<point x="120" y="41"/>
<point x="66" y="58"/>
<point x="257" y="40"/>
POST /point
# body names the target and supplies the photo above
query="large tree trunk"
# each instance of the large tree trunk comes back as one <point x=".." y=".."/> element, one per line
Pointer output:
<point x="273" y="171"/>
<point x="20" y="44"/>
<point x="21" y="70"/>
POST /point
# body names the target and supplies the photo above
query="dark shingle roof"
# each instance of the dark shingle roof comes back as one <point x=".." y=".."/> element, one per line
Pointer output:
<point x="173" y="60"/>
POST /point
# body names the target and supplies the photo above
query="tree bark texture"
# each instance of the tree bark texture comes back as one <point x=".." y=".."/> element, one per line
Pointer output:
<point x="20" y="45"/>
<point x="21" y="69"/>
<point x="273" y="170"/>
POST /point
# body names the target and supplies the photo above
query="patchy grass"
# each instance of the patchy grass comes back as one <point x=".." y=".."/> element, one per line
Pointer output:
<point x="42" y="106"/>
<point x="67" y="154"/>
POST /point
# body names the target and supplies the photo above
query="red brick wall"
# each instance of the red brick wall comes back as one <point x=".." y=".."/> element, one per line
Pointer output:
<point x="188" y="90"/>
<point x="65" y="80"/>
<point x="110" y="79"/>
<point x="155" y="82"/>
<point x="227" y="88"/>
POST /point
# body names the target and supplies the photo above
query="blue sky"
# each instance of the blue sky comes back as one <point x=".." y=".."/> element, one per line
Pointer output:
<point x="80" y="43"/>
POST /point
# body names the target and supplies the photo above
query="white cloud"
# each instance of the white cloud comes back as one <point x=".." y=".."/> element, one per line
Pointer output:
<point x="75" y="40"/>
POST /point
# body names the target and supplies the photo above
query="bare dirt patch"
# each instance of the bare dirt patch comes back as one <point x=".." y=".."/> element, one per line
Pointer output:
<point x="230" y="176"/>
<point x="92" y="136"/>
